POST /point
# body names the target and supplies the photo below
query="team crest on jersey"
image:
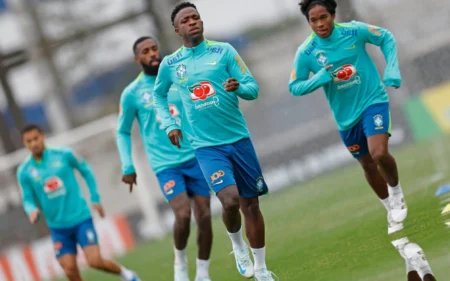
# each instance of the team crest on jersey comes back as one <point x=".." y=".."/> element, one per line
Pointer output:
<point x="181" y="71"/>
<point x="378" y="121"/>
<point x="321" y="58"/>
<point x="34" y="174"/>
<point x="147" y="99"/>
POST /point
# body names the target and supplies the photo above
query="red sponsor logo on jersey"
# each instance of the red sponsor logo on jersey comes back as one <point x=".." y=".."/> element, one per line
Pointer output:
<point x="201" y="90"/>
<point x="52" y="184"/>
<point x="344" y="73"/>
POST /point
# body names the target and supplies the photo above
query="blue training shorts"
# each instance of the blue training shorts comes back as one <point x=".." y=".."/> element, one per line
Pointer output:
<point x="65" y="240"/>
<point x="230" y="164"/>
<point x="375" y="120"/>
<point x="186" y="177"/>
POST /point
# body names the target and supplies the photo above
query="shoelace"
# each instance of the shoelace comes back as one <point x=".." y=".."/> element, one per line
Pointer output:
<point x="266" y="275"/>
<point x="242" y="257"/>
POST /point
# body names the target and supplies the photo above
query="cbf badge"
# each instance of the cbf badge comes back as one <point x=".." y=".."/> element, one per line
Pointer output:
<point x="181" y="71"/>
<point x="378" y="121"/>
<point x="321" y="58"/>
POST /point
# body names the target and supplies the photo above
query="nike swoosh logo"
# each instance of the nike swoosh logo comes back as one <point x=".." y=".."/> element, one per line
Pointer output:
<point x="351" y="47"/>
<point x="241" y="270"/>
<point x="211" y="63"/>
<point x="219" y="182"/>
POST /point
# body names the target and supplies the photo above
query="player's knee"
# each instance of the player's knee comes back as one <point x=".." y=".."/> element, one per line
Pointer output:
<point x="203" y="217"/>
<point x="96" y="263"/>
<point x="370" y="167"/>
<point x="183" y="215"/>
<point x="379" y="153"/>
<point x="231" y="204"/>
<point x="252" y="208"/>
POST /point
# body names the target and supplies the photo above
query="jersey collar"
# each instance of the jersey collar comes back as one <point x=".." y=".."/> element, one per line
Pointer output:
<point x="147" y="78"/>
<point x="44" y="157"/>
<point x="332" y="38"/>
<point x="200" y="48"/>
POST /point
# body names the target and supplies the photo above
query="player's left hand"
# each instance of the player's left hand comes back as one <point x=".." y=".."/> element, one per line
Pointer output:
<point x="99" y="209"/>
<point x="231" y="85"/>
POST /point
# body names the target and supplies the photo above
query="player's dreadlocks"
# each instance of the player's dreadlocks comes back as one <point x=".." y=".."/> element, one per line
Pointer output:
<point x="180" y="7"/>
<point x="307" y="5"/>
<point x="139" y="40"/>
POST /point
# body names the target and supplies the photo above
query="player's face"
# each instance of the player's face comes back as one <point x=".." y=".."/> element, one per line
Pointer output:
<point x="34" y="141"/>
<point x="148" y="56"/>
<point x="321" y="21"/>
<point x="189" y="24"/>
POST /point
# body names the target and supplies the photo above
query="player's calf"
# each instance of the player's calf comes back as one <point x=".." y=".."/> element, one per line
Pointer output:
<point x="229" y="197"/>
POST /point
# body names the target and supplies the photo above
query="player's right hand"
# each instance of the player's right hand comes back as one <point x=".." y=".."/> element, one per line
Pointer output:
<point x="34" y="216"/>
<point x="130" y="180"/>
<point x="328" y="67"/>
<point x="175" y="136"/>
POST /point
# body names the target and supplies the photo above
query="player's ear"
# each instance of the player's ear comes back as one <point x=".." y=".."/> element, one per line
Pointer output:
<point x="177" y="31"/>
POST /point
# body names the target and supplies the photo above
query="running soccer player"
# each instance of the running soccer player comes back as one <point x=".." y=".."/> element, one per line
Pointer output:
<point x="211" y="76"/>
<point x="336" y="54"/>
<point x="177" y="170"/>
<point x="47" y="177"/>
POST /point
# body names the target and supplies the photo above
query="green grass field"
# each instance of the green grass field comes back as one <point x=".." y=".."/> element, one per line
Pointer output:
<point x="332" y="228"/>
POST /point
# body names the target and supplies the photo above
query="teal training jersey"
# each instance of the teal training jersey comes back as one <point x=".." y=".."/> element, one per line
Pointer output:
<point x="353" y="83"/>
<point x="199" y="74"/>
<point x="137" y="102"/>
<point x="51" y="182"/>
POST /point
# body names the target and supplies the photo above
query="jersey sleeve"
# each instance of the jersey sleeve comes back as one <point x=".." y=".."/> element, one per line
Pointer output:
<point x="299" y="82"/>
<point x="127" y="114"/>
<point x="86" y="172"/>
<point x="248" y="87"/>
<point x="26" y="189"/>
<point x="160" y="96"/>
<point x="384" y="39"/>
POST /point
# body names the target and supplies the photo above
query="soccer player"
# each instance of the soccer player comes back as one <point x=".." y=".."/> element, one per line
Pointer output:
<point x="336" y="54"/>
<point x="177" y="170"/>
<point x="211" y="76"/>
<point x="47" y="177"/>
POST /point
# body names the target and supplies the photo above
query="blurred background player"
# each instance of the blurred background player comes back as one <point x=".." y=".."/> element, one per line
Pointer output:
<point x="177" y="170"/>
<point x="336" y="54"/>
<point x="47" y="176"/>
<point x="211" y="76"/>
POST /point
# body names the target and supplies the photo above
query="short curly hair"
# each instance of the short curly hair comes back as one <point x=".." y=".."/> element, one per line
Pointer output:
<point x="180" y="7"/>
<point x="307" y="5"/>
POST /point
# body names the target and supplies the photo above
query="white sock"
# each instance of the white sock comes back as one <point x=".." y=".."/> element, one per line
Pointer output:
<point x="259" y="255"/>
<point x="385" y="203"/>
<point x="180" y="257"/>
<point x="202" y="268"/>
<point x="126" y="274"/>
<point x="395" y="189"/>
<point x="237" y="240"/>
